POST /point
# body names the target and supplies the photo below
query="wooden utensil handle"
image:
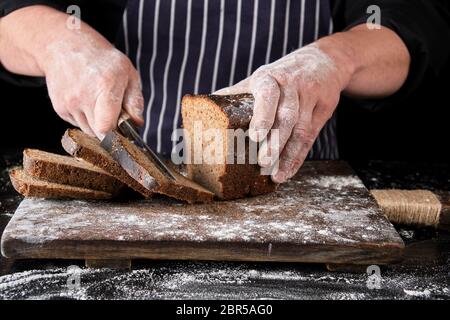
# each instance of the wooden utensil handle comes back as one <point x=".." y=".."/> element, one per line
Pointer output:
<point x="415" y="207"/>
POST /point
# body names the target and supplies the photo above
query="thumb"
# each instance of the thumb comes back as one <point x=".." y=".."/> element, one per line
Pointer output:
<point x="133" y="101"/>
<point x="240" y="87"/>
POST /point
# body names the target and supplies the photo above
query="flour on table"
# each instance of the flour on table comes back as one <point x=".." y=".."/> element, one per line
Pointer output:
<point x="198" y="280"/>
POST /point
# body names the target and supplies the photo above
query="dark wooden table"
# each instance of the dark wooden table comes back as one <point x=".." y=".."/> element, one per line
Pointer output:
<point x="423" y="274"/>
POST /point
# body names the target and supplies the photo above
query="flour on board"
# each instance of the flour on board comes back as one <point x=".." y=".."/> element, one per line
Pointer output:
<point x="308" y="209"/>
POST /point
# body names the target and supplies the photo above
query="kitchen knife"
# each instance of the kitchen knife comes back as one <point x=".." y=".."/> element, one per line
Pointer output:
<point x="127" y="128"/>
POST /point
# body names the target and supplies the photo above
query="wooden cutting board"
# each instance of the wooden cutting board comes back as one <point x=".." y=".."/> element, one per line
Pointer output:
<point x="323" y="215"/>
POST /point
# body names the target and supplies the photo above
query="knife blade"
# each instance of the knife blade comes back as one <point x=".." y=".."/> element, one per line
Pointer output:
<point x="127" y="128"/>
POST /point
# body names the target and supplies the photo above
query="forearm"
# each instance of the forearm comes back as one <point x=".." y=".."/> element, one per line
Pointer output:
<point x="376" y="62"/>
<point x="26" y="37"/>
<point x="22" y="38"/>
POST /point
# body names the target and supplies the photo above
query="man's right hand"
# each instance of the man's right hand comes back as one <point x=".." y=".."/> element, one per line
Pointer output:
<point x="88" y="80"/>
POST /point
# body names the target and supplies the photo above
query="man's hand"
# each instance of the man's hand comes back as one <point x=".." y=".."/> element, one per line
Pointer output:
<point x="88" y="80"/>
<point x="298" y="93"/>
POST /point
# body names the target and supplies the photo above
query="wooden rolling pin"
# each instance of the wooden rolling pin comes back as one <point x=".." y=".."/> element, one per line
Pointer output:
<point x="415" y="207"/>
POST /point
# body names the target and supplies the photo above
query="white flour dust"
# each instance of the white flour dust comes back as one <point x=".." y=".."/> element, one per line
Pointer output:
<point x="219" y="281"/>
<point x="335" y="182"/>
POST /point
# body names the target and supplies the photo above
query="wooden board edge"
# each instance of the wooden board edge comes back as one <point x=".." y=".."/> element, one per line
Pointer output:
<point x="18" y="249"/>
<point x="108" y="263"/>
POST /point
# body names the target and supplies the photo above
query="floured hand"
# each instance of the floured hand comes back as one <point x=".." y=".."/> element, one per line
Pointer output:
<point x="88" y="82"/>
<point x="296" y="94"/>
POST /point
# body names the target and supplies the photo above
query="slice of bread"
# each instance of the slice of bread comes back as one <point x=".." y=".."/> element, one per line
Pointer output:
<point x="68" y="170"/>
<point x="219" y="113"/>
<point x="30" y="186"/>
<point x="137" y="164"/>
<point x="83" y="146"/>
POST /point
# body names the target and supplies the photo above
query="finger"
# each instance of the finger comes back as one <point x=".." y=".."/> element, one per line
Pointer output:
<point x="88" y="114"/>
<point x="321" y="114"/>
<point x="266" y="92"/>
<point x="133" y="101"/>
<point x="240" y="87"/>
<point x="82" y="123"/>
<point x="301" y="140"/>
<point x="71" y="121"/>
<point x="107" y="110"/>
<point x="296" y="149"/>
<point x="68" y="118"/>
<point x="285" y="120"/>
<point x="63" y="112"/>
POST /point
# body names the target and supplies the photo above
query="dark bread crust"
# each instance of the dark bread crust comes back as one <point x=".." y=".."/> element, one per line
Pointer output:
<point x="68" y="170"/>
<point x="237" y="108"/>
<point x="138" y="166"/>
<point x="32" y="187"/>
<point x="234" y="180"/>
<point x="81" y="145"/>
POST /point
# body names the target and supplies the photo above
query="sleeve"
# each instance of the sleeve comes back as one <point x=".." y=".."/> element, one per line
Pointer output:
<point x="424" y="27"/>
<point x="8" y="6"/>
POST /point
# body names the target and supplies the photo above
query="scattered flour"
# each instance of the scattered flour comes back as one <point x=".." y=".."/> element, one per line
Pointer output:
<point x="196" y="280"/>
<point x="424" y="293"/>
<point x="335" y="182"/>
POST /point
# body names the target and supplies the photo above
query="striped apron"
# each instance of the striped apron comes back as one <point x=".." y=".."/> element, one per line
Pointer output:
<point x="199" y="46"/>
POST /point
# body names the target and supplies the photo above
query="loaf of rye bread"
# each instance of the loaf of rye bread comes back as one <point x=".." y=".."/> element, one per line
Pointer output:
<point x="69" y="171"/>
<point x="83" y="146"/>
<point x="30" y="186"/>
<point x="138" y="166"/>
<point x="227" y="181"/>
